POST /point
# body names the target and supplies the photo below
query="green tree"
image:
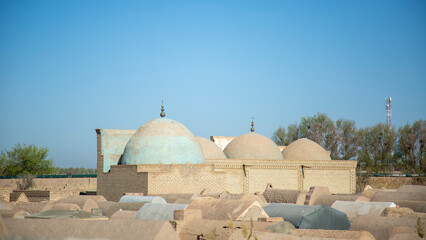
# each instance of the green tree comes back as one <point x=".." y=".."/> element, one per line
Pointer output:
<point x="376" y="149"/>
<point x="348" y="139"/>
<point x="279" y="136"/>
<point x="320" y="129"/>
<point x="80" y="170"/>
<point x="3" y="164"/>
<point x="410" y="147"/>
<point x="25" y="160"/>
<point x="292" y="133"/>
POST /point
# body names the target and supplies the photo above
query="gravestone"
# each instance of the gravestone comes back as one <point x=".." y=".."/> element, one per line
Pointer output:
<point x="159" y="211"/>
<point x="135" y="198"/>
<point x="310" y="217"/>
<point x="354" y="209"/>
<point x="218" y="209"/>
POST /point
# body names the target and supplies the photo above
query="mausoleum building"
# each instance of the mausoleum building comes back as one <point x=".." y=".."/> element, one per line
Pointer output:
<point x="163" y="156"/>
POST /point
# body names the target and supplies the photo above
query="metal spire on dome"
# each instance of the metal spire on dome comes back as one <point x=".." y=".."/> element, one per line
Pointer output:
<point x="252" y="124"/>
<point x="162" y="114"/>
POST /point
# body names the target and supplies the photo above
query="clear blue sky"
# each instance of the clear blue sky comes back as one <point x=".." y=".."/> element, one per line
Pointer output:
<point x="68" y="67"/>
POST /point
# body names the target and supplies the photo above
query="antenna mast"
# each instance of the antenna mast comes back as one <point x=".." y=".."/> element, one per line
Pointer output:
<point x="388" y="111"/>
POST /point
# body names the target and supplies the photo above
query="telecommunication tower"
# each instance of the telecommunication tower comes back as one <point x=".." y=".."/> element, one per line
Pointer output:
<point x="388" y="111"/>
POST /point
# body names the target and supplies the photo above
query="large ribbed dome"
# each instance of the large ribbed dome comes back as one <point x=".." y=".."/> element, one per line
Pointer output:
<point x="305" y="149"/>
<point x="162" y="141"/>
<point x="210" y="150"/>
<point x="253" y="146"/>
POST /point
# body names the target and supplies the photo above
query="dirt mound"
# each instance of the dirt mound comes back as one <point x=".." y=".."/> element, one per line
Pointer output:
<point x="403" y="233"/>
<point x="337" y="234"/>
<point x="105" y="205"/>
<point x="409" y="204"/>
<point x="402" y="213"/>
<point x="34" y="207"/>
<point x="330" y="199"/>
<point x="134" y="206"/>
<point x="218" y="209"/>
<point x="65" y="206"/>
<point x="124" y="214"/>
<point x="381" y="227"/>
<point x="5" y="205"/>
<point x="421" y="208"/>
<point x="412" y="188"/>
<point x="280" y="195"/>
<point x="172" y="198"/>
<point x="386" y="196"/>
<point x="86" y="203"/>
<point x="16" y="213"/>
<point x="99" y="229"/>
<point x="368" y="193"/>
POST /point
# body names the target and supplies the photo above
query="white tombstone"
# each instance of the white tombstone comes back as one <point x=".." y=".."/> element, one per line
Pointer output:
<point x="159" y="211"/>
<point x="354" y="209"/>
<point x="136" y="198"/>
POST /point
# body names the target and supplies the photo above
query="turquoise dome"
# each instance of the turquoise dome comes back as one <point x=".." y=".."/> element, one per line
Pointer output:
<point x="162" y="141"/>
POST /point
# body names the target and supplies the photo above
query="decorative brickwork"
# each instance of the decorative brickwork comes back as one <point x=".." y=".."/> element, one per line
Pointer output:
<point x="19" y="196"/>
<point x="5" y="193"/>
<point x="259" y="178"/>
<point x="33" y="196"/>
<point x="337" y="175"/>
<point x="42" y="195"/>
<point x="184" y="178"/>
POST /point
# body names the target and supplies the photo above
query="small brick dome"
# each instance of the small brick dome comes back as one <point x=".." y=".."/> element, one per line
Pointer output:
<point x="305" y="149"/>
<point x="253" y="146"/>
<point x="210" y="150"/>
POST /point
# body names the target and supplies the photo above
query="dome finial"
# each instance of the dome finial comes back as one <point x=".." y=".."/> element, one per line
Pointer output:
<point x="162" y="114"/>
<point x="252" y="124"/>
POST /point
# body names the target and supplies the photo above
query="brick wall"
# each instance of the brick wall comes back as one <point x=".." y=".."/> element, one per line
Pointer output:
<point x="122" y="179"/>
<point x="5" y="193"/>
<point x="183" y="178"/>
<point x="56" y="184"/>
<point x="234" y="176"/>
<point x="279" y="178"/>
<point x="339" y="176"/>
<point x="159" y="179"/>
<point x="56" y="195"/>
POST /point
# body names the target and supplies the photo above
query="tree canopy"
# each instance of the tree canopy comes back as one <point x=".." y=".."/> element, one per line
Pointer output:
<point x="410" y="147"/>
<point x="378" y="148"/>
<point x="24" y="160"/>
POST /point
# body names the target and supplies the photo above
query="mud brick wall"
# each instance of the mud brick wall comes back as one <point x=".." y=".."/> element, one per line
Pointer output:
<point x="120" y="180"/>
<point x="56" y="195"/>
<point x="251" y="176"/>
<point x="54" y="184"/>
<point x="183" y="178"/>
<point x="159" y="179"/>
